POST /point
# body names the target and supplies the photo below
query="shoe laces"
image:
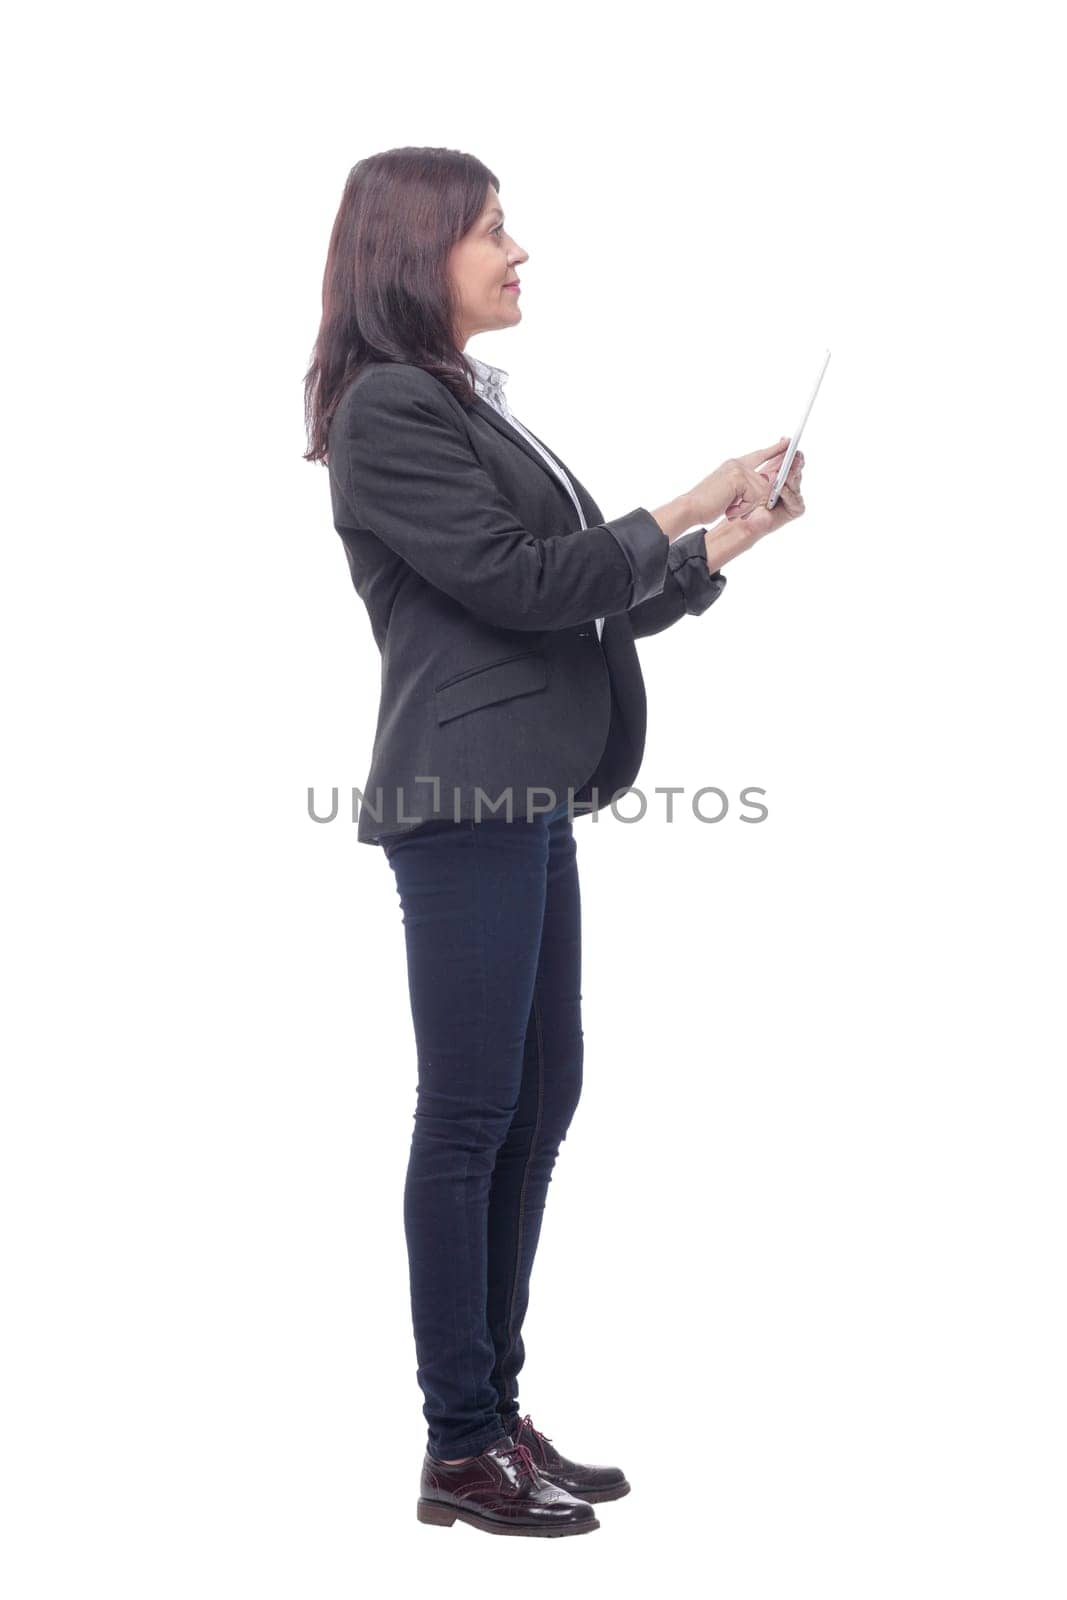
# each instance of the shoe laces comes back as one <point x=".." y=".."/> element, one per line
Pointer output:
<point x="520" y="1455"/>
<point x="527" y="1422"/>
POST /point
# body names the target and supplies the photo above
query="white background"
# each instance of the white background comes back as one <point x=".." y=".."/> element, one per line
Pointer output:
<point x="801" y="1271"/>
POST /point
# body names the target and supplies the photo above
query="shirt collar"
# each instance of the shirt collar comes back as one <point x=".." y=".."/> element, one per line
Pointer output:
<point x="489" y="383"/>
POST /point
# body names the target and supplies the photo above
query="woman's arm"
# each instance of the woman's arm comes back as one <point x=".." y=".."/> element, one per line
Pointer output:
<point x="689" y="588"/>
<point x="404" y="468"/>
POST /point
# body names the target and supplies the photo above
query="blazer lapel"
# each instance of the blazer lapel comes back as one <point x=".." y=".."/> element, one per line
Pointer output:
<point x="502" y="425"/>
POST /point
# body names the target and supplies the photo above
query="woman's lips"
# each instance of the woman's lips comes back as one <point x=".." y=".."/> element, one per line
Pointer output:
<point x="514" y="287"/>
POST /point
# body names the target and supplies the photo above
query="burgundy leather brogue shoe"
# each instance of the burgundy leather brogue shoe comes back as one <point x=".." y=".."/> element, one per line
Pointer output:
<point x="502" y="1491"/>
<point x="585" y="1482"/>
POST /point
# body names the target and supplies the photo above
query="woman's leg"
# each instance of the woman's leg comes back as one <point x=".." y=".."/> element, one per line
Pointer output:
<point x="548" y="1095"/>
<point x="473" y="900"/>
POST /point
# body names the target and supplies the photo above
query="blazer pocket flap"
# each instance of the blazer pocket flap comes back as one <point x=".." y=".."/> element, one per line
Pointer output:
<point x="481" y="686"/>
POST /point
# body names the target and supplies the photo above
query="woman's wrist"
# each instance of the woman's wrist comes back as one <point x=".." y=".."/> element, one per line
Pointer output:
<point x="677" y="516"/>
<point x="726" y="540"/>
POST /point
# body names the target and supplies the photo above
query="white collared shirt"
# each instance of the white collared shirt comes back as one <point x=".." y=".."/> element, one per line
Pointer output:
<point x="489" y="383"/>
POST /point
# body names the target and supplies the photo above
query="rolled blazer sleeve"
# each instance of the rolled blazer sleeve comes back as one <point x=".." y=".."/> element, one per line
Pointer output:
<point x="406" y="470"/>
<point x="689" y="588"/>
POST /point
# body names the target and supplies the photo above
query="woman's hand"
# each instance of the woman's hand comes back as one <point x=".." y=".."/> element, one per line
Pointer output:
<point x="737" y="484"/>
<point x="747" y="518"/>
<point x="790" y="503"/>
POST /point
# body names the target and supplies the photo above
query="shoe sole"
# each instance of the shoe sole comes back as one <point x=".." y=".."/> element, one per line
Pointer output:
<point x="594" y="1496"/>
<point x="441" y="1515"/>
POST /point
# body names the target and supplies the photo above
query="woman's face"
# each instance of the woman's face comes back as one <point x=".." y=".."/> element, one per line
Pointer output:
<point x="480" y="267"/>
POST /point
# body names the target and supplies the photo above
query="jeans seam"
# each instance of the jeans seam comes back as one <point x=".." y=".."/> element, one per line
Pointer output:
<point x="484" y="1026"/>
<point x="525" y="1178"/>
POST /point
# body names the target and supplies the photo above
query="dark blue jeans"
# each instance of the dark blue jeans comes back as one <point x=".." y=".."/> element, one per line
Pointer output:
<point x="492" y="924"/>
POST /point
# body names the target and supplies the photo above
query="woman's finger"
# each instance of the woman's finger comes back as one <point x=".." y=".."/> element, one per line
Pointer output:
<point x="756" y="458"/>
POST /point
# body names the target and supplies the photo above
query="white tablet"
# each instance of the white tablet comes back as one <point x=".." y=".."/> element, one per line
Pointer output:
<point x="787" y="459"/>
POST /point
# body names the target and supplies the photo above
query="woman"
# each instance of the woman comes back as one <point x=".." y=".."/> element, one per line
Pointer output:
<point x="505" y="609"/>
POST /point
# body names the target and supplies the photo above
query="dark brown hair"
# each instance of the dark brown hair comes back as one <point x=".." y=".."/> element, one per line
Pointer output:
<point x="386" y="294"/>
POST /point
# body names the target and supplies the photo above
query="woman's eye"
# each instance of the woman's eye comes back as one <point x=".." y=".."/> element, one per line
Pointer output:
<point x="498" y="229"/>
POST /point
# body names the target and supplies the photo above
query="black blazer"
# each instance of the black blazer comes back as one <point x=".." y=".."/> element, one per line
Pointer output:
<point x="482" y="595"/>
